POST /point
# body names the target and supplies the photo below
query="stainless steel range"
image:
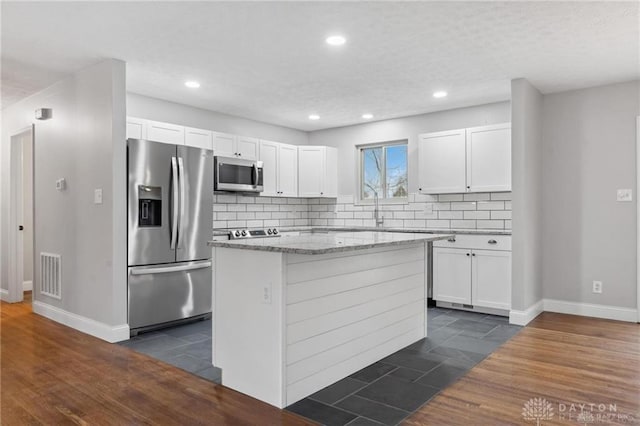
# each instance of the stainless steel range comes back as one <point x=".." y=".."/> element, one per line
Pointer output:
<point x="235" y="234"/>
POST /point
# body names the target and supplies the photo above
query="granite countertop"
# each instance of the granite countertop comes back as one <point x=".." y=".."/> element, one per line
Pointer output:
<point x="222" y="232"/>
<point x="330" y="242"/>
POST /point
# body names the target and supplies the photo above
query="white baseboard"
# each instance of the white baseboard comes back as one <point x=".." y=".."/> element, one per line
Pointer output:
<point x="591" y="310"/>
<point x="4" y="295"/>
<point x="525" y="317"/>
<point x="27" y="286"/>
<point x="97" y="329"/>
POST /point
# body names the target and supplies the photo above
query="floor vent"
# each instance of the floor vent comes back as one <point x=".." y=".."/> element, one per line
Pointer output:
<point x="50" y="275"/>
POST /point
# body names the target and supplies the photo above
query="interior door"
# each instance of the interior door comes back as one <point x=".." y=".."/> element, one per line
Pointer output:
<point x="149" y="202"/>
<point x="195" y="167"/>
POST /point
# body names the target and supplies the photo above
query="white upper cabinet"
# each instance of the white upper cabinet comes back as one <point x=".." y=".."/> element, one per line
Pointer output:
<point x="279" y="169"/>
<point x="269" y="157"/>
<point x="489" y="158"/>
<point x="198" y="138"/>
<point x="465" y="160"/>
<point x="136" y="128"/>
<point x="247" y="148"/>
<point x="318" y="171"/>
<point x="442" y="162"/>
<point x="165" y="132"/>
<point x="288" y="170"/>
<point x="224" y="144"/>
<point x="228" y="145"/>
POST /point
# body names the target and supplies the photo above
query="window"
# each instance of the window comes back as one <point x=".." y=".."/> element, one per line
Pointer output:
<point x="383" y="171"/>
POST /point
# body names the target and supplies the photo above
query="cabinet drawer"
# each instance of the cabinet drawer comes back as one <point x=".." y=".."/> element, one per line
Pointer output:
<point x="477" y="242"/>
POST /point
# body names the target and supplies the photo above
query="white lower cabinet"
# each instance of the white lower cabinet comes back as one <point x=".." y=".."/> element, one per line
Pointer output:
<point x="473" y="270"/>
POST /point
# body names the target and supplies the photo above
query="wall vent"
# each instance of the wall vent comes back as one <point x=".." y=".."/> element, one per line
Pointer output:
<point x="50" y="275"/>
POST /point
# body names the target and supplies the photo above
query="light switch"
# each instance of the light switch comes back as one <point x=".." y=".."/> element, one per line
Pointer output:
<point x="625" y="195"/>
<point x="97" y="196"/>
<point x="61" y="184"/>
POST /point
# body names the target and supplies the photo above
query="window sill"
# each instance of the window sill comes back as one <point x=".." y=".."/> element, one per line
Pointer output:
<point x="382" y="202"/>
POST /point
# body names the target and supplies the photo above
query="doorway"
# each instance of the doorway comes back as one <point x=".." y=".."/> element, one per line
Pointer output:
<point x="21" y="229"/>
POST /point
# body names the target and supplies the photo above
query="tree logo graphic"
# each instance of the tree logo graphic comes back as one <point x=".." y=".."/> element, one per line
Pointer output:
<point x="537" y="409"/>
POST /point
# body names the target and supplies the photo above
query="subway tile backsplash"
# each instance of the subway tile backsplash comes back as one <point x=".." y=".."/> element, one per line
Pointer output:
<point x="445" y="211"/>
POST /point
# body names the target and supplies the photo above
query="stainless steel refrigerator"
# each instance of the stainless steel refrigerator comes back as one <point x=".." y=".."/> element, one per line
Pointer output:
<point x="170" y="215"/>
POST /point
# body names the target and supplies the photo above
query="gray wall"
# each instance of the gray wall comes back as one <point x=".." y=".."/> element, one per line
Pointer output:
<point x="346" y="138"/>
<point x="84" y="143"/>
<point x="526" y="152"/>
<point x="589" y="152"/>
<point x="170" y="112"/>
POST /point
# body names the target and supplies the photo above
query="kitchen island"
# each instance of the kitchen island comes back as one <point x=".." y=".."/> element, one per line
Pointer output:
<point x="293" y="315"/>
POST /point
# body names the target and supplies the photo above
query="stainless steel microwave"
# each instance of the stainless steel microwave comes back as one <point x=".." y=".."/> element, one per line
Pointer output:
<point x="236" y="174"/>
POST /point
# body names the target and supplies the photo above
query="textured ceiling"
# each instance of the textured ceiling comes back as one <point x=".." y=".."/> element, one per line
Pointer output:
<point x="268" y="61"/>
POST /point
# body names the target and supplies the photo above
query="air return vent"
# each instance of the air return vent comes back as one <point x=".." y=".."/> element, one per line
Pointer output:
<point x="50" y="275"/>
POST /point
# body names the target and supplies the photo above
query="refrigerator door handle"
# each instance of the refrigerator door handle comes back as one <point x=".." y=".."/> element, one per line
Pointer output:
<point x="145" y="270"/>
<point x="174" y="202"/>
<point x="183" y="202"/>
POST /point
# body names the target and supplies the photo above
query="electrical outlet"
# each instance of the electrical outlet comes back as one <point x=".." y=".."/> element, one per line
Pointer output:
<point x="597" y="287"/>
<point x="266" y="294"/>
<point x="624" y="195"/>
<point x="97" y="196"/>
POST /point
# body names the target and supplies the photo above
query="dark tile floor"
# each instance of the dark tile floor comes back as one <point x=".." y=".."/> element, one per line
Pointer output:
<point x="390" y="390"/>
<point x="186" y="346"/>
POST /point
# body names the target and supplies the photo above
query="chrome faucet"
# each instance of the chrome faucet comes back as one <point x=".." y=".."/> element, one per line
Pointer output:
<point x="376" y="211"/>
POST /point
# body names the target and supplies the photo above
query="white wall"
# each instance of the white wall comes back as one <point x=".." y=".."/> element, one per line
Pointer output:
<point x="588" y="153"/>
<point x="170" y="112"/>
<point x="84" y="143"/>
<point x="346" y="138"/>
<point x="526" y="153"/>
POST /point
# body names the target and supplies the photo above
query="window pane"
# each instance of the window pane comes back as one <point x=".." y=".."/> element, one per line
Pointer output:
<point x="397" y="171"/>
<point x="372" y="172"/>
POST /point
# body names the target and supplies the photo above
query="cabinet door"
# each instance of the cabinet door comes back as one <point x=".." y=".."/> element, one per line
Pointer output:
<point x="442" y="162"/>
<point x="269" y="158"/>
<point x="330" y="187"/>
<point x="288" y="170"/>
<point x="136" y="128"/>
<point x="491" y="279"/>
<point x="165" y="132"/>
<point x="311" y="166"/>
<point x="452" y="275"/>
<point x="489" y="158"/>
<point x="247" y="148"/>
<point x="198" y="138"/>
<point x="224" y="144"/>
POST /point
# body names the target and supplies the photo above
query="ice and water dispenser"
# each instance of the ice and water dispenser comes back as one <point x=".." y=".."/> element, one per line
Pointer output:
<point x="149" y="206"/>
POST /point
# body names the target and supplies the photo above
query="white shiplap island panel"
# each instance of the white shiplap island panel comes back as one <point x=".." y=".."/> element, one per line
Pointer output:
<point x="349" y="310"/>
<point x="289" y="322"/>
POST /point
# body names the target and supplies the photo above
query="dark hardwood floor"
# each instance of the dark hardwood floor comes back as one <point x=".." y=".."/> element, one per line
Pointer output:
<point x="564" y="359"/>
<point x="51" y="374"/>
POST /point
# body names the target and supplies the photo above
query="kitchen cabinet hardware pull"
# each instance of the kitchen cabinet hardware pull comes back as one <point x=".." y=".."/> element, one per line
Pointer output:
<point x="493" y="242"/>
<point x="451" y="239"/>
<point x="468" y="254"/>
<point x="473" y="254"/>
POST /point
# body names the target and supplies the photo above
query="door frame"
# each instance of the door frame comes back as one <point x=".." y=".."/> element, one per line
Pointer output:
<point x="638" y="216"/>
<point x="16" y="242"/>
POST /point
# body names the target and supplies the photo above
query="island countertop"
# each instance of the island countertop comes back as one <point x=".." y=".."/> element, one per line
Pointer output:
<point x="330" y="242"/>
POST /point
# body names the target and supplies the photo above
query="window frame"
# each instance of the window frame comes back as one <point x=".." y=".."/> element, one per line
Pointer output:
<point x="360" y="172"/>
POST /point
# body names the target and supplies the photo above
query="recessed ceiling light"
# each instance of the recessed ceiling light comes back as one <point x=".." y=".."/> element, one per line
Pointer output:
<point x="336" y="40"/>
<point x="367" y="116"/>
<point x="314" y="117"/>
<point x="192" y="84"/>
<point x="440" y="94"/>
